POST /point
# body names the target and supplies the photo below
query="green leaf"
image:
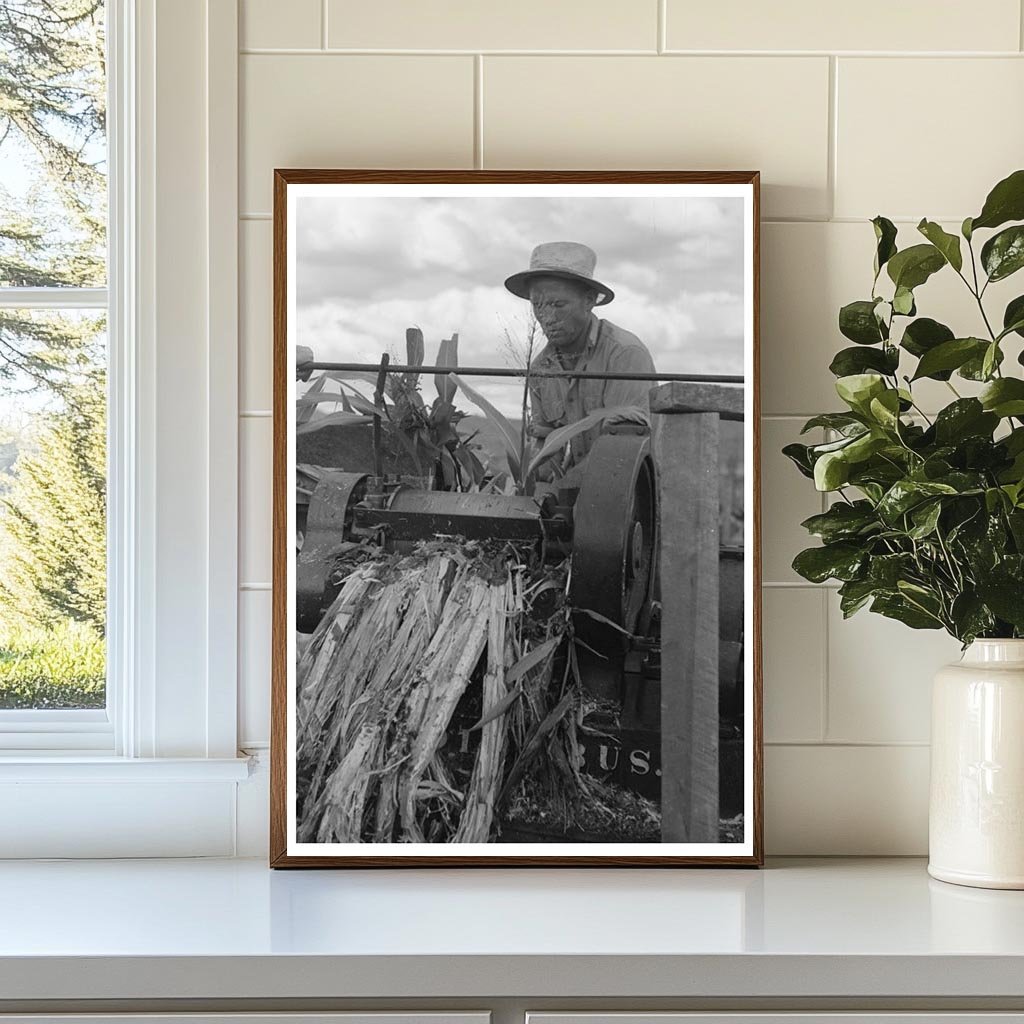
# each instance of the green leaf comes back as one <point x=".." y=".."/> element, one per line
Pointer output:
<point x="971" y="618"/>
<point x="903" y="302"/>
<point x="1003" y="254"/>
<point x="832" y="561"/>
<point x="974" y="368"/>
<point x="923" y="335"/>
<point x="1005" y="202"/>
<point x="906" y="494"/>
<point x="912" y="267"/>
<point x="885" y="237"/>
<point x="841" y="421"/>
<point x="858" y="389"/>
<point x="925" y="518"/>
<point x="1005" y="596"/>
<point x="887" y="570"/>
<point x="965" y="229"/>
<point x="800" y="456"/>
<point x="864" y="446"/>
<point x="850" y="361"/>
<point x="990" y="360"/>
<point x="900" y="608"/>
<point x="1013" y="317"/>
<point x="857" y="321"/>
<point x="950" y="355"/>
<point x="854" y="594"/>
<point x="1004" y="397"/>
<point x="966" y="417"/>
<point x="831" y="471"/>
<point x="885" y="409"/>
<point x="843" y="521"/>
<point x="947" y="244"/>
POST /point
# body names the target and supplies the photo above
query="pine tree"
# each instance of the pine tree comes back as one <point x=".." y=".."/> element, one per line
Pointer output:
<point x="53" y="234"/>
<point x="53" y="521"/>
<point x="52" y="123"/>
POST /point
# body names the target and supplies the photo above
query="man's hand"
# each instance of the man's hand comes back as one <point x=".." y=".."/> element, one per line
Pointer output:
<point x="636" y="415"/>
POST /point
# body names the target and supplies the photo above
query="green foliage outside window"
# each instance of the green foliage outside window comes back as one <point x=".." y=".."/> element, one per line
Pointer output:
<point x="52" y="365"/>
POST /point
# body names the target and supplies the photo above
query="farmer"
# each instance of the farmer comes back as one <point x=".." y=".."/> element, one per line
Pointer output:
<point x="561" y="287"/>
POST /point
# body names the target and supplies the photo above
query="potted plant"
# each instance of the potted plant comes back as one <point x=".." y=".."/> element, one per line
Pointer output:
<point x="926" y="521"/>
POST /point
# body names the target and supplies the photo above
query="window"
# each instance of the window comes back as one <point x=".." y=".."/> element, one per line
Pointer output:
<point x="155" y="770"/>
<point x="53" y="369"/>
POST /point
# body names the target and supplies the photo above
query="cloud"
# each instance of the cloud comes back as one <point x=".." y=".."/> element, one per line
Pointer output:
<point x="369" y="268"/>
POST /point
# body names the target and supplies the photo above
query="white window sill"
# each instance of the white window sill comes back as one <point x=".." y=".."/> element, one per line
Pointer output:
<point x="77" y="766"/>
<point x="76" y="805"/>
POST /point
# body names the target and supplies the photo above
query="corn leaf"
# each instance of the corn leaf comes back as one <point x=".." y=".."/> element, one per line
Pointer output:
<point x="306" y="405"/>
<point x="345" y="375"/>
<point x="509" y="434"/>
<point x="414" y="346"/>
<point x="532" y="659"/>
<point x="559" y="438"/>
<point x="447" y="355"/>
<point x="497" y="710"/>
<point x="333" y="419"/>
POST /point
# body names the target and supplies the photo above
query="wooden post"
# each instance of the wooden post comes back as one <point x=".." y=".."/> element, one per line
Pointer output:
<point x="686" y="432"/>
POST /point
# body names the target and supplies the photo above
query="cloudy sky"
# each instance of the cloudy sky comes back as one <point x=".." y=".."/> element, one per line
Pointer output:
<point x="367" y="268"/>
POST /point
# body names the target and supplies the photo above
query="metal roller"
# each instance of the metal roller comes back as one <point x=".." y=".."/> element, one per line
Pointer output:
<point x="614" y="537"/>
<point x="328" y="522"/>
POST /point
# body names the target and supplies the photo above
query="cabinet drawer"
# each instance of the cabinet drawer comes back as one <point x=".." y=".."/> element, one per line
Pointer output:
<point x="355" y="1017"/>
<point x="852" y="1017"/>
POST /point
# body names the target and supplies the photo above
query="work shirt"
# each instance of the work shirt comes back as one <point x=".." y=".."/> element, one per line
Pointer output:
<point x="557" y="402"/>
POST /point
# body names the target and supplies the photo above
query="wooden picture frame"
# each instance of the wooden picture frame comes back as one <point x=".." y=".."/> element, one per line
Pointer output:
<point x="710" y="675"/>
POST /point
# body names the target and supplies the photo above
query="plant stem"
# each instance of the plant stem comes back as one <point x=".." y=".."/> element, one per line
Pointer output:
<point x="531" y="334"/>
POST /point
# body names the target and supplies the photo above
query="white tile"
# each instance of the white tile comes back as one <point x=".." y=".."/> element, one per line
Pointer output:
<point x="680" y="113"/>
<point x="255" y="319"/>
<point x="793" y="645"/>
<point x="472" y="25"/>
<point x="848" y="801"/>
<point x="804" y="280"/>
<point x="271" y="24"/>
<point x="787" y="499"/>
<point x="868" y="25"/>
<point x="351" y="111"/>
<point x="808" y="272"/>
<point x="254" y="626"/>
<point x="961" y="131"/>
<point x="255" y="509"/>
<point x="880" y="676"/>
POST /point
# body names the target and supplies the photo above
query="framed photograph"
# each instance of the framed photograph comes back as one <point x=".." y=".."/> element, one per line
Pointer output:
<point x="516" y="614"/>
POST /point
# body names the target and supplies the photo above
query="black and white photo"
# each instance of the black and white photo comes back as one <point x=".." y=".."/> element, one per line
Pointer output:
<point x="515" y="559"/>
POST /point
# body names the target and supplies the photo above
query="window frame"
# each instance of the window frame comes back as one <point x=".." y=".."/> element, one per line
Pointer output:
<point x="171" y="725"/>
<point x="79" y="729"/>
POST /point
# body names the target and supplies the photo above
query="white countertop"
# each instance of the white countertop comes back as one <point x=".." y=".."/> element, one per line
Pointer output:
<point x="234" y="929"/>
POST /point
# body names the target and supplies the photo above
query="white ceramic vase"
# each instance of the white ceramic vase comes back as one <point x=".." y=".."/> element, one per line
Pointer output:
<point x="976" y="814"/>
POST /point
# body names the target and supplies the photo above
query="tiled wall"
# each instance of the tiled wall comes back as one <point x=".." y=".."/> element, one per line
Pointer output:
<point x="907" y="109"/>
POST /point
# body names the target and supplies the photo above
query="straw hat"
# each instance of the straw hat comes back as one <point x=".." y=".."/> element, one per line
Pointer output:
<point x="572" y="261"/>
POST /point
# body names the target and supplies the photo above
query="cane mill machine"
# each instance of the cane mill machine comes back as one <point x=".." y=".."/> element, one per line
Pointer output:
<point x="608" y="528"/>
